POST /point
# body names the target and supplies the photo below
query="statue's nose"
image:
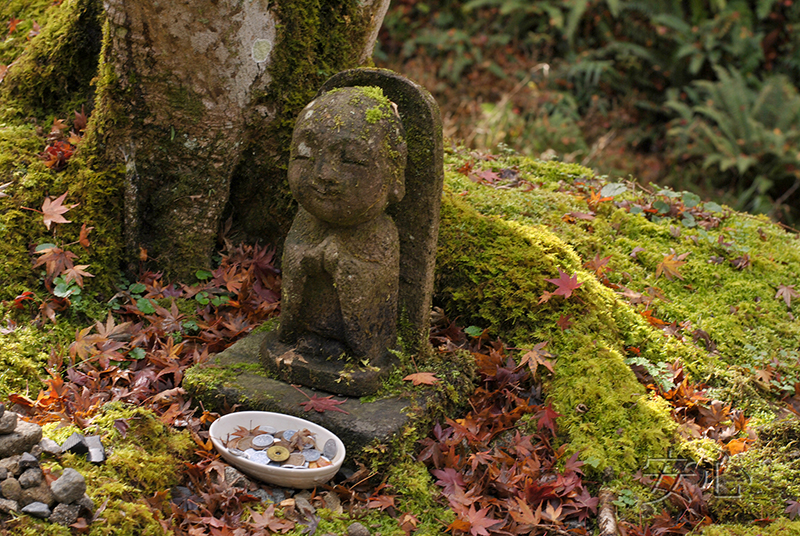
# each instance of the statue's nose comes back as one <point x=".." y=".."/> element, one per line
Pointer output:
<point x="325" y="173"/>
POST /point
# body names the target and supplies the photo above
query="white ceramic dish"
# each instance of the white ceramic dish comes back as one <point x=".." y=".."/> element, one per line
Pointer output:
<point x="280" y="476"/>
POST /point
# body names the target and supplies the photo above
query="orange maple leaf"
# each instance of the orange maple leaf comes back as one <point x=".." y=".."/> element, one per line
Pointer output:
<point x="669" y="266"/>
<point x="422" y="378"/>
<point x="12" y="24"/>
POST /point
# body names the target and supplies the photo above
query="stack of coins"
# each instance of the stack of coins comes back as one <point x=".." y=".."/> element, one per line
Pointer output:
<point x="291" y="449"/>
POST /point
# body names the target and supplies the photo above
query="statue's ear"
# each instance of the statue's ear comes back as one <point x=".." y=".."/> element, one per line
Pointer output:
<point x="398" y="188"/>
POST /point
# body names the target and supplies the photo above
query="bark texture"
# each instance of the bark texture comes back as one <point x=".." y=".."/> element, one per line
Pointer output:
<point x="193" y="89"/>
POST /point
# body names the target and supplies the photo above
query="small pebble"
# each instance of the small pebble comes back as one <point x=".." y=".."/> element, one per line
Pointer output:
<point x="50" y="447"/>
<point x="357" y="529"/>
<point x="7" y="506"/>
<point x="37" y="509"/>
<point x="65" y="514"/>
<point x="27" y="461"/>
<point x="76" y="444"/>
<point x="30" y="478"/>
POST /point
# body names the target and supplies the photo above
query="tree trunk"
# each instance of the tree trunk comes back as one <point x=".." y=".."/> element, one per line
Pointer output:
<point x="194" y="92"/>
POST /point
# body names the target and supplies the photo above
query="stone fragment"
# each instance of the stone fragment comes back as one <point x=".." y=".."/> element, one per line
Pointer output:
<point x="7" y="506"/>
<point x="2" y="409"/>
<point x="11" y="489"/>
<point x="8" y="422"/>
<point x="24" y="436"/>
<point x="3" y="473"/>
<point x="87" y="506"/>
<point x="27" y="461"/>
<point x="30" y="478"/>
<point x="76" y="444"/>
<point x="69" y="487"/>
<point x="50" y="447"/>
<point x="303" y="506"/>
<point x="262" y="495"/>
<point x="40" y="493"/>
<point x="11" y="464"/>
<point x="332" y="502"/>
<point x="235" y="478"/>
<point x="37" y="509"/>
<point x="357" y="529"/>
<point x="36" y="451"/>
<point x="97" y="453"/>
<point x="65" y="514"/>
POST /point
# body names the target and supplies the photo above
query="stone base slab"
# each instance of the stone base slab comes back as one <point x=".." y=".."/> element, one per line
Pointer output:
<point x="236" y="378"/>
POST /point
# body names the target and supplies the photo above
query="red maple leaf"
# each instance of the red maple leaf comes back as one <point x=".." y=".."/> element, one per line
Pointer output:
<point x="421" y="378"/>
<point x="479" y="521"/>
<point x="323" y="404"/>
<point x="84" y="236"/>
<point x="564" y="322"/>
<point x="565" y="283"/>
<point x="449" y="479"/>
<point x="547" y="416"/>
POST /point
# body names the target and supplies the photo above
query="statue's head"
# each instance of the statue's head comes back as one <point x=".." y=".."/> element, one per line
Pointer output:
<point x="348" y="156"/>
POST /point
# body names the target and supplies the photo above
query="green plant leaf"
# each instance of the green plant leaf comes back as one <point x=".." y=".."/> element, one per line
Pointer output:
<point x="146" y="306"/>
<point x="473" y="331"/>
<point x="137" y="288"/>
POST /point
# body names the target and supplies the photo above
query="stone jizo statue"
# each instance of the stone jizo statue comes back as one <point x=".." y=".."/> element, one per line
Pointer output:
<point x="358" y="260"/>
<point x="341" y="259"/>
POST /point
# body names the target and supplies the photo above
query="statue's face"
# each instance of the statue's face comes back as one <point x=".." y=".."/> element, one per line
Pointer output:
<point x="340" y="170"/>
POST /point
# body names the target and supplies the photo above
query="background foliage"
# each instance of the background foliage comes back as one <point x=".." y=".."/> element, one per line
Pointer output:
<point x="700" y="94"/>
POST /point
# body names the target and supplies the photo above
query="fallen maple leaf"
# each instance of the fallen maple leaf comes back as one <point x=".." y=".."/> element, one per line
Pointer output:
<point x="35" y="30"/>
<point x="381" y="502"/>
<point x="546" y="418"/>
<point x="77" y="273"/>
<point x="52" y="209"/>
<point x="422" y="378"/>
<point x="535" y="357"/>
<point x="84" y="236"/>
<point x="564" y="322"/>
<point x="787" y="292"/>
<point x="268" y="521"/>
<point x="793" y="509"/>
<point x="12" y="24"/>
<point x="669" y="266"/>
<point x="323" y="404"/>
<point x="565" y="283"/>
<point x="479" y="521"/>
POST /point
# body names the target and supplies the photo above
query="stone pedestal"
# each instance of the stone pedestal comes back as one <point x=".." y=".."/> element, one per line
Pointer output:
<point x="236" y="377"/>
<point x="321" y="364"/>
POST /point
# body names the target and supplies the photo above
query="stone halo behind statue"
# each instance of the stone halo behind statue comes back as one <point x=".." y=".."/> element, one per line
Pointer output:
<point x="358" y="261"/>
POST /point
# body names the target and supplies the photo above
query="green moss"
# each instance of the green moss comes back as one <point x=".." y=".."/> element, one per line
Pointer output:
<point x="53" y="74"/>
<point x="492" y="272"/>
<point x="759" y="482"/>
<point x="27" y="12"/>
<point x="148" y="459"/>
<point x="781" y="527"/>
